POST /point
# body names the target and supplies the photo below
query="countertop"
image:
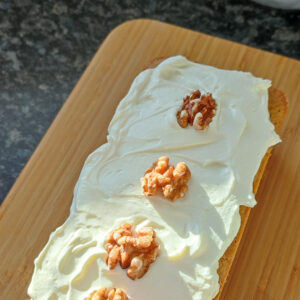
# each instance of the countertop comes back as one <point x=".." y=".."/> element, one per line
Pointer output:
<point x="46" y="45"/>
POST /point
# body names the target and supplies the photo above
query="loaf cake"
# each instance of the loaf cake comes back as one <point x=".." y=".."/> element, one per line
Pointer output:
<point x="189" y="239"/>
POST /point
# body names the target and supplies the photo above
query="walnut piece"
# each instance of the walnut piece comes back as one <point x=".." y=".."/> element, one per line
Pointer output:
<point x="197" y="110"/>
<point x="108" y="294"/>
<point x="171" y="181"/>
<point x="133" y="250"/>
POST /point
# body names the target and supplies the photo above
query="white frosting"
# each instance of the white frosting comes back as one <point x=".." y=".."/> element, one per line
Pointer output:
<point x="195" y="231"/>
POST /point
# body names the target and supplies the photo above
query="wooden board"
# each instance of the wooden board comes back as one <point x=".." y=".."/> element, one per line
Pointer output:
<point x="267" y="265"/>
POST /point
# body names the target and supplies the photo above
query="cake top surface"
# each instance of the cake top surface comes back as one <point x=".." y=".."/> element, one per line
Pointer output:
<point x="194" y="231"/>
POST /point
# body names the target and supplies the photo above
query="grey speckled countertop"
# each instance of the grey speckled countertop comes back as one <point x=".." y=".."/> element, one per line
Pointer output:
<point x="46" y="45"/>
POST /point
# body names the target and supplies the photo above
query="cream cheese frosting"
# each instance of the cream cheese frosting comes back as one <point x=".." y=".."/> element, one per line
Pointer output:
<point x="193" y="232"/>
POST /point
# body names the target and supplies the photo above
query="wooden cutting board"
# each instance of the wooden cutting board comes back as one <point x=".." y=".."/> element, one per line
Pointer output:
<point x="267" y="265"/>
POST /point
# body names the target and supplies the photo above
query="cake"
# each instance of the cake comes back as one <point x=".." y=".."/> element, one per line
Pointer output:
<point x="194" y="231"/>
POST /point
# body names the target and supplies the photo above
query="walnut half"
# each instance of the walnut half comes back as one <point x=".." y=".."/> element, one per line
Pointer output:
<point x="197" y="110"/>
<point x="133" y="250"/>
<point x="172" y="181"/>
<point x="108" y="294"/>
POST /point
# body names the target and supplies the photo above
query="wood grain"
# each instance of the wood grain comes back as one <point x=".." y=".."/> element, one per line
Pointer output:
<point x="267" y="263"/>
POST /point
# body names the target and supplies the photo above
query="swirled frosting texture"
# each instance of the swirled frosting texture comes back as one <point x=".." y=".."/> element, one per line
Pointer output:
<point x="195" y="231"/>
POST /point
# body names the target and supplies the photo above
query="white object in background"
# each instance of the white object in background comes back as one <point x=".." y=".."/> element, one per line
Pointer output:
<point x="286" y="4"/>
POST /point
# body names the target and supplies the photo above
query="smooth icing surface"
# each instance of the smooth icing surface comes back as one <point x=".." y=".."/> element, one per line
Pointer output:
<point x="195" y="231"/>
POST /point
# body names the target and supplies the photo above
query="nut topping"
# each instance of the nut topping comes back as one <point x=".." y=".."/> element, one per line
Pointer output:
<point x="108" y="294"/>
<point x="197" y="110"/>
<point x="171" y="181"/>
<point x="133" y="250"/>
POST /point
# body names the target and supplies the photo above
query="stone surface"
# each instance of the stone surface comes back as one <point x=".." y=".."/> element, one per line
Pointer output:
<point x="46" y="45"/>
